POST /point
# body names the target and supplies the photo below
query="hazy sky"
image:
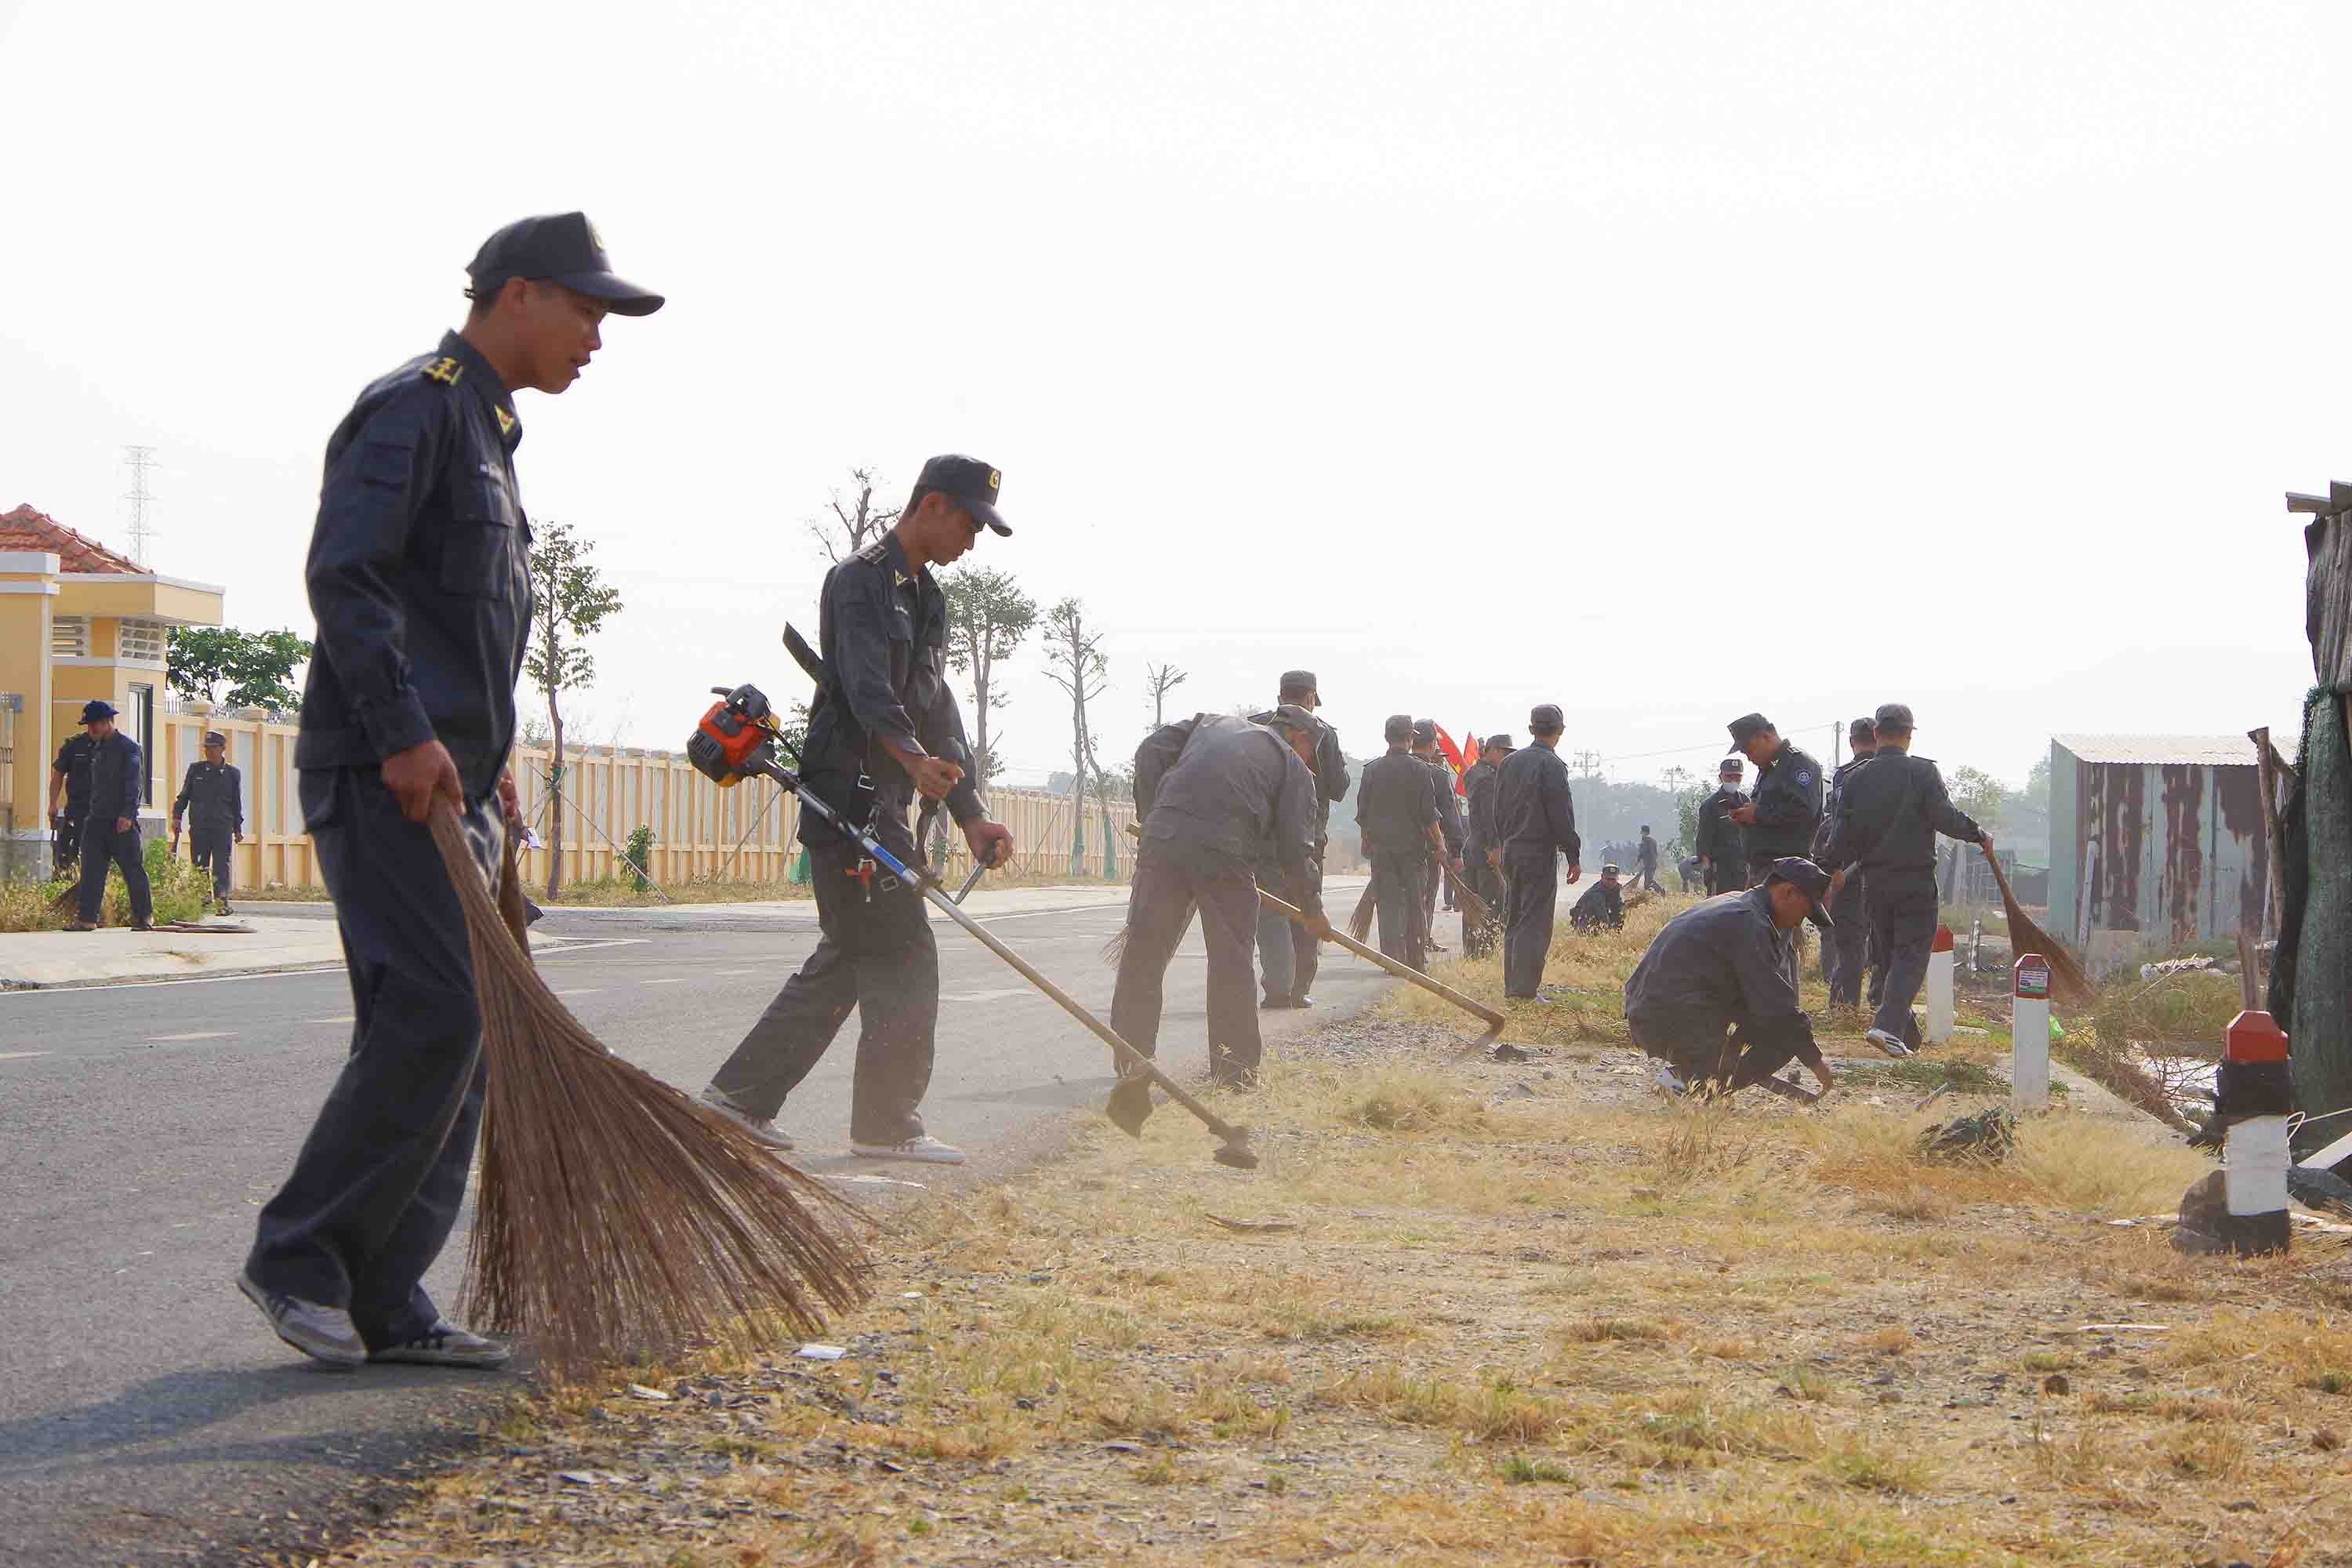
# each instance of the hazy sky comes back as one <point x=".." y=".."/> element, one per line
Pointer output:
<point x="1662" y="360"/>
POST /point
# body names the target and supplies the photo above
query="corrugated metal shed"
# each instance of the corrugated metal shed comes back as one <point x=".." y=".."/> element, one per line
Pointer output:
<point x="2160" y="835"/>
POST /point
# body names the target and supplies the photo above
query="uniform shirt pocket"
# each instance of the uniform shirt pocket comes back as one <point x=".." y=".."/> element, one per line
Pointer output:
<point x="478" y="551"/>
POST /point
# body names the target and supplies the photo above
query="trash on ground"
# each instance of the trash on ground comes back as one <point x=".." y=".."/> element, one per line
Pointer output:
<point x="820" y="1352"/>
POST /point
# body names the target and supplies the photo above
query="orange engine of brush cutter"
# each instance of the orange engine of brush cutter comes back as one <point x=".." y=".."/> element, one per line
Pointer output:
<point x="724" y="743"/>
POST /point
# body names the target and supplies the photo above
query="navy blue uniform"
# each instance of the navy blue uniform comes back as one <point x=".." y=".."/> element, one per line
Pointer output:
<point x="1603" y="908"/>
<point x="211" y="796"/>
<point x="1534" y="817"/>
<point x="1788" y="800"/>
<point x="420" y="583"/>
<point x="1288" y="958"/>
<point x="117" y="784"/>
<point x="882" y="629"/>
<point x="1394" y="810"/>
<point x="1716" y="977"/>
<point x="73" y="763"/>
<point x="1449" y="826"/>
<point x="1721" y="842"/>
<point x="1646" y="860"/>
<point x="1889" y="812"/>
<point x="1478" y="836"/>
<point x="1845" y="950"/>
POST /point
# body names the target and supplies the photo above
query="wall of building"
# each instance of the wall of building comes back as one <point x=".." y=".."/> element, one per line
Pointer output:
<point x="2174" y="852"/>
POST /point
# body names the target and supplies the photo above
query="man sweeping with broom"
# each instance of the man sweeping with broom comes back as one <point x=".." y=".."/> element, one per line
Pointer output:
<point x="419" y="581"/>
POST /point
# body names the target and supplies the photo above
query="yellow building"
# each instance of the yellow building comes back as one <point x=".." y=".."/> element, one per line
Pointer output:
<point x="78" y="621"/>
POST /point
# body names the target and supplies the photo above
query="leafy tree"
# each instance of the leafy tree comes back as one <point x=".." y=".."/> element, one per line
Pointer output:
<point x="988" y="617"/>
<point x="257" y="668"/>
<point x="573" y="600"/>
<point x="1978" y="794"/>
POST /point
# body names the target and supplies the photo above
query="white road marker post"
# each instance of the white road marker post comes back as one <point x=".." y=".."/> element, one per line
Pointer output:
<point x="1940" y="988"/>
<point x="2028" y="1035"/>
<point x="2254" y="1092"/>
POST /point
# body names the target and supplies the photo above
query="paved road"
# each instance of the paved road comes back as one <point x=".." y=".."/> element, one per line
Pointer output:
<point x="146" y="1415"/>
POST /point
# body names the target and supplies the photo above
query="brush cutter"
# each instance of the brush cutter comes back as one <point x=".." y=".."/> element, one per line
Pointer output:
<point x="1492" y="1020"/>
<point x="739" y="738"/>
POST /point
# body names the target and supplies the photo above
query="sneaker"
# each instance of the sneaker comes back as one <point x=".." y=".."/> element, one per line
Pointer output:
<point x="446" y="1344"/>
<point x="764" y="1130"/>
<point x="220" y="907"/>
<point x="143" y="925"/>
<point x="1302" y="1000"/>
<point x="1665" y="1080"/>
<point x="923" y="1151"/>
<point x="81" y="925"/>
<point x="1889" y="1043"/>
<point x="323" y="1333"/>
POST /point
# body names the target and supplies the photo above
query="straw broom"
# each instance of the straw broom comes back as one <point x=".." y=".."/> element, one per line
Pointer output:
<point x="2067" y="981"/>
<point x="618" y="1220"/>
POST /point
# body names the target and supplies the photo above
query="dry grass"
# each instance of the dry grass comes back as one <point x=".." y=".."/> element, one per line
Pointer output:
<point x="1571" y="1324"/>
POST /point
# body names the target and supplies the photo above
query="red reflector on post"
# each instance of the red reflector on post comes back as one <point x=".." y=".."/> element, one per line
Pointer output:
<point x="2254" y="1037"/>
<point x="1943" y="942"/>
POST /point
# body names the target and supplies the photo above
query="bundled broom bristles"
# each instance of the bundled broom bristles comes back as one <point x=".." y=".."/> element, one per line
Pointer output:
<point x="2067" y="981"/>
<point x="1359" y="924"/>
<point x="617" y="1219"/>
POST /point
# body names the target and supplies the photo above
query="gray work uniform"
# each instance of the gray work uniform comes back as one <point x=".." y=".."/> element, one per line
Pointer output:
<point x="211" y="798"/>
<point x="1477" y="837"/>
<point x="117" y="781"/>
<point x="1288" y="958"/>
<point x="1394" y="809"/>
<point x="1889" y="812"/>
<point x="1449" y="826"/>
<point x="1646" y="860"/>
<point x="1721" y="842"/>
<point x="1535" y="820"/>
<point x="1715" y="978"/>
<point x="1236" y="796"/>
<point x="1844" y="950"/>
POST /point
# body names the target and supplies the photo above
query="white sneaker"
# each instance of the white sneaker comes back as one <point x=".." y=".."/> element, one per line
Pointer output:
<point x="922" y="1150"/>
<point x="446" y="1344"/>
<point x="1889" y="1043"/>
<point x="1665" y="1080"/>
<point x="323" y="1333"/>
<point x="764" y="1130"/>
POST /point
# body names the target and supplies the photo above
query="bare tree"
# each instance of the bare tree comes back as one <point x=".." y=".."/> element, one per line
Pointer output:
<point x="1161" y="680"/>
<point x="988" y="616"/>
<point x="1075" y="662"/>
<point x="855" y="522"/>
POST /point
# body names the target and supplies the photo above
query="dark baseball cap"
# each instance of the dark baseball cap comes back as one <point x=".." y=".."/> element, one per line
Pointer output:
<point x="97" y="707"/>
<point x="967" y="481"/>
<point x="561" y="247"/>
<point x="1807" y="878"/>
<point x="1894" y="715"/>
<point x="1298" y="683"/>
<point x="1425" y="732"/>
<point x="215" y="738"/>
<point x="1398" y="728"/>
<point x="1497" y="744"/>
<point x="1732" y="768"/>
<point x="1861" y="729"/>
<point x="1746" y="724"/>
<point x="1545" y="719"/>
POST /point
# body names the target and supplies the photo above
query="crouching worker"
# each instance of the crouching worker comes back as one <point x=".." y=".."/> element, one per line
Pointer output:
<point x="1713" y="1001"/>
<point x="1603" y="908"/>
<point x="1217" y="795"/>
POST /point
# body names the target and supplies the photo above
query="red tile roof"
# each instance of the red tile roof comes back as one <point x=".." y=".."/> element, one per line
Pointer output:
<point x="25" y="529"/>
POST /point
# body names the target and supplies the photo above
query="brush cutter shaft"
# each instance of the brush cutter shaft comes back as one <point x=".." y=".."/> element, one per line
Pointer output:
<point x="1127" y="1054"/>
<point x="1401" y="970"/>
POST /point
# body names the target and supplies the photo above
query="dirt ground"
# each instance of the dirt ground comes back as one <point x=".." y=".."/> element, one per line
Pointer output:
<point x="1494" y="1313"/>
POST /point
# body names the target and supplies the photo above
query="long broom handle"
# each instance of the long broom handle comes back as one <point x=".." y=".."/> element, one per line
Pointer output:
<point x="1127" y="1054"/>
<point x="1401" y="970"/>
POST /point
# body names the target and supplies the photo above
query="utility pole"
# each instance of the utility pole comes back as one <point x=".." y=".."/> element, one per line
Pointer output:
<point x="1588" y="764"/>
<point x="139" y="459"/>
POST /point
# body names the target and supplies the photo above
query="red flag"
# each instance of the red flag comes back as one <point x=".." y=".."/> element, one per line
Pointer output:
<point x="1469" y="761"/>
<point x="1445" y="746"/>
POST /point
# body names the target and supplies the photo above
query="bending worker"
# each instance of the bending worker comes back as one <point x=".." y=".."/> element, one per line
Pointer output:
<point x="1603" y="908"/>
<point x="882" y="632"/>
<point x="1217" y="795"/>
<point x="1717" y="979"/>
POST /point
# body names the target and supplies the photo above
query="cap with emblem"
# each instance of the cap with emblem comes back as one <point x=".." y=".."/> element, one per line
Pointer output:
<point x="1610" y="869"/>
<point x="1861" y="729"/>
<point x="97" y="707"/>
<point x="1425" y="732"/>
<point x="1544" y="719"/>
<point x="1895" y="716"/>
<point x="1807" y="878"/>
<point x="1497" y="743"/>
<point x="1746" y="725"/>
<point x="1299" y="686"/>
<point x="215" y="738"/>
<point x="561" y="248"/>
<point x="967" y="481"/>
<point x="1398" y="730"/>
<point x="1732" y="768"/>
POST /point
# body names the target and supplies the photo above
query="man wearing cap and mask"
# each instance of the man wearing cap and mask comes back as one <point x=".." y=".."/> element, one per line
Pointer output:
<point x="1288" y="958"/>
<point x="1722" y="852"/>
<point x="211" y="797"/>
<point x="1889" y="812"/>
<point x="1716" y="979"/>
<point x="1227" y="806"/>
<point x="1535" y="818"/>
<point x="1396" y="816"/>
<point x="882" y="631"/>
<point x="1482" y="852"/>
<point x="1449" y="826"/>
<point x="1844" y="953"/>
<point x="420" y="583"/>
<point x="109" y="834"/>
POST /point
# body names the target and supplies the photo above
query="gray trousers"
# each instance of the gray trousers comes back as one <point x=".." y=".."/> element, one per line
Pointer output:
<point x="875" y="957"/>
<point x="1172" y="880"/>
<point x="210" y="846"/>
<point x="376" y="1189"/>
<point x="1532" y="903"/>
<point x="1397" y="881"/>
<point x="1902" y="913"/>
<point x="1287" y="959"/>
<point x="1845" y="950"/>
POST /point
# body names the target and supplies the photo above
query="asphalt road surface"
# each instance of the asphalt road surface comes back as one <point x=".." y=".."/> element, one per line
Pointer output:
<point x="146" y="1413"/>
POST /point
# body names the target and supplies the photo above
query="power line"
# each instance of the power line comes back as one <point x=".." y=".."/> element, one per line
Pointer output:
<point x="1721" y="748"/>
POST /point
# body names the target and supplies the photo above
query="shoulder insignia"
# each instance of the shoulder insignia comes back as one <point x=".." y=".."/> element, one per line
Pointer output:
<point x="876" y="553"/>
<point x="1804" y="778"/>
<point x="900" y="579"/>
<point x="444" y="370"/>
<point x="506" y="420"/>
